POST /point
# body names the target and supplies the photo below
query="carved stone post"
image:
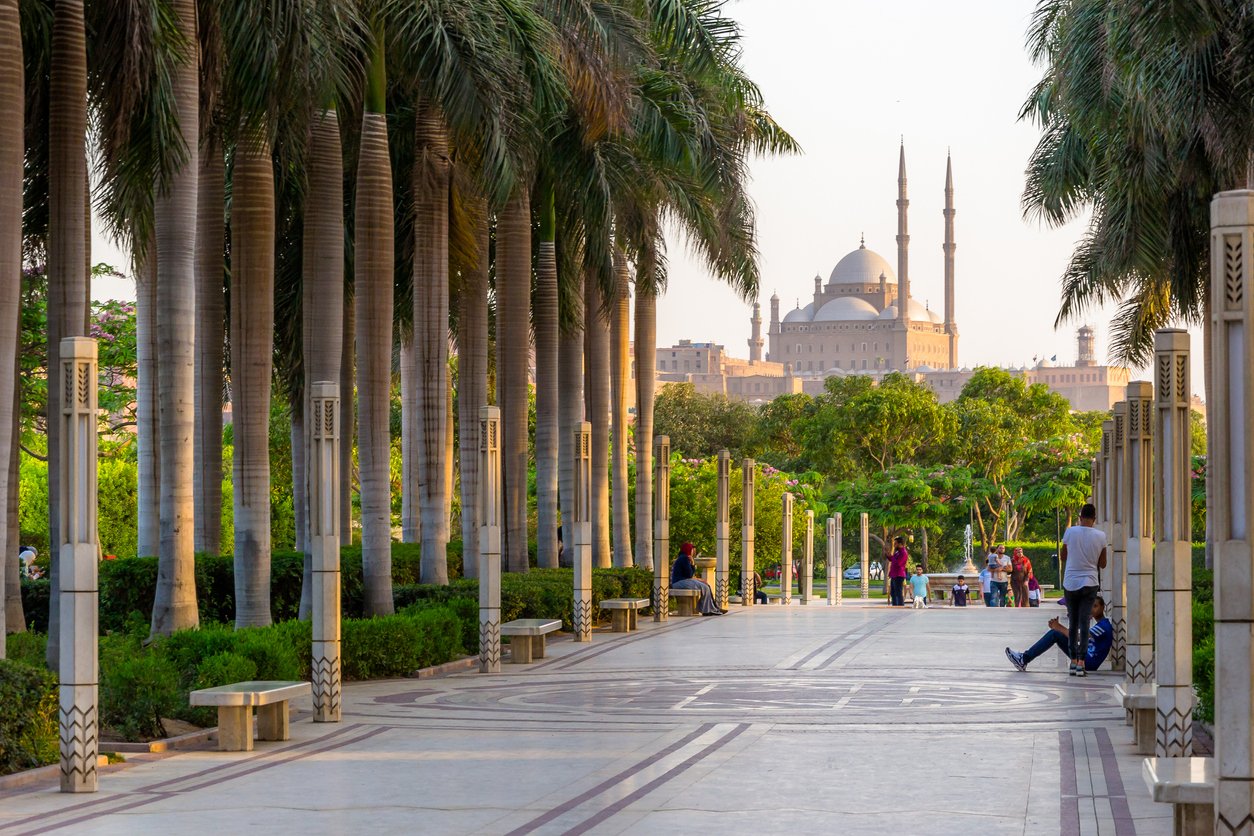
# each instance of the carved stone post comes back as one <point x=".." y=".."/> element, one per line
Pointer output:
<point x="1118" y="534"/>
<point x="661" y="526"/>
<point x="865" y="548"/>
<point x="835" y="576"/>
<point x="583" y="536"/>
<point x="1231" y="412"/>
<point x="323" y="484"/>
<point x="807" y="561"/>
<point x="1139" y="553"/>
<point x="79" y="595"/>
<point x="490" y="539"/>
<point x="722" y="530"/>
<point x="746" y="534"/>
<point x="1173" y="554"/>
<point x="1104" y="502"/>
<point x="785" y="555"/>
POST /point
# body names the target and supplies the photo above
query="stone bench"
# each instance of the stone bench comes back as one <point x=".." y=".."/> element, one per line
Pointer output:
<point x="1188" y="785"/>
<point x="235" y="711"/>
<point x="623" y="612"/>
<point x="526" y="638"/>
<point x="1139" y="699"/>
<point x="685" y="600"/>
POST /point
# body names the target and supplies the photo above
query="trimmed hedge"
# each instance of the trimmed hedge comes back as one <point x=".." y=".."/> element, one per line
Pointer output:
<point x="28" y="716"/>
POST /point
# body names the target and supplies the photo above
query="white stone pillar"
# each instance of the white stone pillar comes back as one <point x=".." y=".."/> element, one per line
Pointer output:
<point x="582" y="526"/>
<point x="722" y="530"/>
<point x="323" y="484"/>
<point x="1118" y="537"/>
<point x="835" y="576"/>
<point x="489" y="557"/>
<point x="1138" y="535"/>
<point x="661" y="526"/>
<point x="1173" y="554"/>
<point x="1104" y="502"/>
<point x="76" y="551"/>
<point x="807" y="561"/>
<point x="865" y="547"/>
<point x="746" y="533"/>
<point x="1230" y="412"/>
<point x="785" y="552"/>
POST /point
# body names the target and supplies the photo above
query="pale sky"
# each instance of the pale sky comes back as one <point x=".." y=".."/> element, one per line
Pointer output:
<point x="848" y="80"/>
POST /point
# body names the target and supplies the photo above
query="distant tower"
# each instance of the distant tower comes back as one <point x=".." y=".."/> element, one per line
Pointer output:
<point x="818" y="291"/>
<point x="951" y="325"/>
<point x="1085" y="355"/>
<point x="773" y="347"/>
<point x="902" y="324"/>
<point x="755" y="342"/>
<point x="883" y="290"/>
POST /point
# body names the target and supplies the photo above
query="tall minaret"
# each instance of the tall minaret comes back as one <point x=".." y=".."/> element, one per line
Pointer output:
<point x="773" y="348"/>
<point x="951" y="325"/>
<point x="755" y="341"/>
<point x="902" y="324"/>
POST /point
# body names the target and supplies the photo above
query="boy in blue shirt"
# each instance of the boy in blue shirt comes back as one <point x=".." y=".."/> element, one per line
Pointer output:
<point x="918" y="585"/>
<point x="1101" y="636"/>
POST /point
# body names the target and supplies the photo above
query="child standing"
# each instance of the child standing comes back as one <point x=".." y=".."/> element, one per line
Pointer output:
<point x="1034" y="592"/>
<point x="986" y="586"/>
<point x="960" y="592"/>
<point x="918" y="585"/>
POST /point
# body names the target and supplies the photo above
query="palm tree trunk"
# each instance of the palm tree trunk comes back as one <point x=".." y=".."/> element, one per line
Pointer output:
<point x="620" y="358"/>
<point x="513" y="321"/>
<point x="431" y="193"/>
<point x="174" y="607"/>
<point x="373" y="282"/>
<point x="12" y="104"/>
<point x="147" y="408"/>
<point x="570" y="383"/>
<point x="597" y="354"/>
<point x="411" y="525"/>
<point x="348" y="421"/>
<point x="14" y="620"/>
<point x="252" y="337"/>
<point x="472" y="387"/>
<point x="300" y="499"/>
<point x="646" y="360"/>
<point x="450" y="450"/>
<point x="546" y="320"/>
<point x="210" y="339"/>
<point x="68" y="230"/>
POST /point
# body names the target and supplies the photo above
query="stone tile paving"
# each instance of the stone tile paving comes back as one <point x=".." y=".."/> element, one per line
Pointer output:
<point x="857" y="719"/>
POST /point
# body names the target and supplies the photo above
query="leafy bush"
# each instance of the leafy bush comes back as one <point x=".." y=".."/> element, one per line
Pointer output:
<point x="398" y="645"/>
<point x="136" y="692"/>
<point x="1204" y="679"/>
<point x="28" y="716"/>
<point x="29" y="648"/>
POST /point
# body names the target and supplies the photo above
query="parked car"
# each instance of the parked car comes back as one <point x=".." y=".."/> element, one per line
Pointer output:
<point x="773" y="573"/>
<point x="854" y="573"/>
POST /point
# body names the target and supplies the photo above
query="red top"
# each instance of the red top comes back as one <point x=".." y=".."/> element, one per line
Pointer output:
<point x="897" y="563"/>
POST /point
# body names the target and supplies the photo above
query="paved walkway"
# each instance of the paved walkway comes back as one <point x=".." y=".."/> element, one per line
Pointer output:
<point x="855" y="720"/>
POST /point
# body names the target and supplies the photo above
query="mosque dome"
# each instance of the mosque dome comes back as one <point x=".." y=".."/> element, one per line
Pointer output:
<point x="918" y="313"/>
<point x="805" y="314"/>
<point x="862" y="266"/>
<point x="846" y="308"/>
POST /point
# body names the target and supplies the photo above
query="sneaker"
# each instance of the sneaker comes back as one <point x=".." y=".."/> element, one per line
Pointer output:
<point x="1016" y="659"/>
<point x="1079" y="671"/>
<point x="1071" y="668"/>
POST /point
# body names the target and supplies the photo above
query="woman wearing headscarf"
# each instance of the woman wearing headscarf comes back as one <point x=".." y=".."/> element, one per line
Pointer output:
<point x="1020" y="569"/>
<point x="683" y="576"/>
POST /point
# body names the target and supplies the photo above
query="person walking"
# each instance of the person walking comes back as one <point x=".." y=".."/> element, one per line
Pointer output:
<point x="959" y="593"/>
<point x="986" y="586"/>
<point x="897" y="572"/>
<point x="683" y="576"/>
<point x="918" y="586"/>
<point x="1020" y="569"/>
<point x="1083" y="554"/>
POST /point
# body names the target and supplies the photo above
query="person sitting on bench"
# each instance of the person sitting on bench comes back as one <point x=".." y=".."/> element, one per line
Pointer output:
<point x="683" y="576"/>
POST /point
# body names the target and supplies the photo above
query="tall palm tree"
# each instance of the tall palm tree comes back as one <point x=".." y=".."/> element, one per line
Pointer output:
<point x="411" y="521"/>
<point x="12" y="143"/>
<point x="210" y="342"/>
<point x="546" y="319"/>
<point x="620" y="319"/>
<point x="513" y="321"/>
<point x="472" y="381"/>
<point x="646" y="384"/>
<point x="596" y="349"/>
<point x="147" y="409"/>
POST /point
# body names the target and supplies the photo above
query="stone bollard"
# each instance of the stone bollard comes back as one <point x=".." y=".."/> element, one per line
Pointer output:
<point x="835" y="576"/>
<point x="1230" y="414"/>
<point x="76" y="551"/>
<point x="1173" y="553"/>
<point x="746" y="534"/>
<point x="661" y="526"/>
<point x="807" y="561"/>
<point x="1118" y="538"/>
<point x="323" y="484"/>
<point x="785" y="556"/>
<point x="583" y="536"/>
<point x="490" y="540"/>
<point x="864" y="547"/>
<point x="722" y="531"/>
<point x="1138" y="473"/>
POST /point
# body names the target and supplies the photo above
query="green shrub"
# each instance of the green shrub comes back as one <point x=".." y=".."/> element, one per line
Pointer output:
<point x="136" y="692"/>
<point x="35" y="595"/>
<point x="28" y="716"/>
<point x="374" y="648"/>
<point x="215" y="670"/>
<point x="271" y="651"/>
<point x="29" y="648"/>
<point x="1204" y="679"/>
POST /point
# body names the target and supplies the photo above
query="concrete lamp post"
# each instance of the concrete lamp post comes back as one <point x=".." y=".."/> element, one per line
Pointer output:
<point x="490" y="540"/>
<point x="722" y="531"/>
<point x="323" y="484"/>
<point x="746" y="534"/>
<point x="835" y="578"/>
<point x="1118" y="537"/>
<point x="582" y="526"/>
<point x="661" y="526"/>
<point x="785" y="557"/>
<point x="865" y="548"/>
<point x="1139" y="556"/>
<point x="807" y="561"/>
<point x="1104" y="502"/>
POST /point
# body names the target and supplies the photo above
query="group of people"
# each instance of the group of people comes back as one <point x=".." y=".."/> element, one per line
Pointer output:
<point x="899" y="578"/>
<point x="1008" y="581"/>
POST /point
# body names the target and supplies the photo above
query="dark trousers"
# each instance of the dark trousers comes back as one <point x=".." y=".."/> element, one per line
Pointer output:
<point x="1079" y="613"/>
<point x="988" y="599"/>
<point x="1001" y="593"/>
<point x="896" y="592"/>
<point x="759" y="596"/>
<point x="1051" y="639"/>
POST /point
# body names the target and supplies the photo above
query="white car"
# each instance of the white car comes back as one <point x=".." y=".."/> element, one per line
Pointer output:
<point x="854" y="573"/>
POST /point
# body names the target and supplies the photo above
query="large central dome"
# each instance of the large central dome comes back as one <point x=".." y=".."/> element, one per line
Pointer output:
<point x="862" y="266"/>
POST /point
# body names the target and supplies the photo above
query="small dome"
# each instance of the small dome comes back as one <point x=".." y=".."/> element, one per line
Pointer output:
<point x="1045" y="364"/>
<point x="889" y="313"/>
<point x="805" y="314"/>
<point x="918" y="313"/>
<point x="846" y="308"/>
<point x="862" y="266"/>
<point x="924" y="369"/>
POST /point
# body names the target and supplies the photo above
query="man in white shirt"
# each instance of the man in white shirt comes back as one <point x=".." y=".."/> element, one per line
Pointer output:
<point x="999" y="566"/>
<point x="1083" y="555"/>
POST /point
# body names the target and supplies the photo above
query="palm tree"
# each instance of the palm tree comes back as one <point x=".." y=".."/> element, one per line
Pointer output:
<point x="597" y="388"/>
<point x="646" y="384"/>
<point x="210" y="339"/>
<point x="411" y="521"/>
<point x="513" y="320"/>
<point x="546" y="318"/>
<point x="472" y="381"/>
<point x="12" y="144"/>
<point x="620" y="319"/>
<point x="147" y="409"/>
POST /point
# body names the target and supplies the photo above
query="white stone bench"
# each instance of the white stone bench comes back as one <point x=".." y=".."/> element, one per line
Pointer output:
<point x="235" y="711"/>
<point x="1140" y="698"/>
<point x="526" y="638"/>
<point x="1188" y="785"/>
<point x="685" y="600"/>
<point x="623" y="612"/>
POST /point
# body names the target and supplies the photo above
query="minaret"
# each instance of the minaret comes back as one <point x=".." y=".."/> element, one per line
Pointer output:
<point x="755" y="341"/>
<point x="902" y="323"/>
<point x="818" y="292"/>
<point x="773" y="348"/>
<point x="951" y="325"/>
<point x="1085" y="356"/>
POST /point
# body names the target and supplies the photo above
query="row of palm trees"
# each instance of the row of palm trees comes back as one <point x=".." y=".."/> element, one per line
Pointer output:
<point x="307" y="185"/>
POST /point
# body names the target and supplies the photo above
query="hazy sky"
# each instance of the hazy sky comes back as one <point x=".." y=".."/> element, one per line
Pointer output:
<point x="848" y="79"/>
